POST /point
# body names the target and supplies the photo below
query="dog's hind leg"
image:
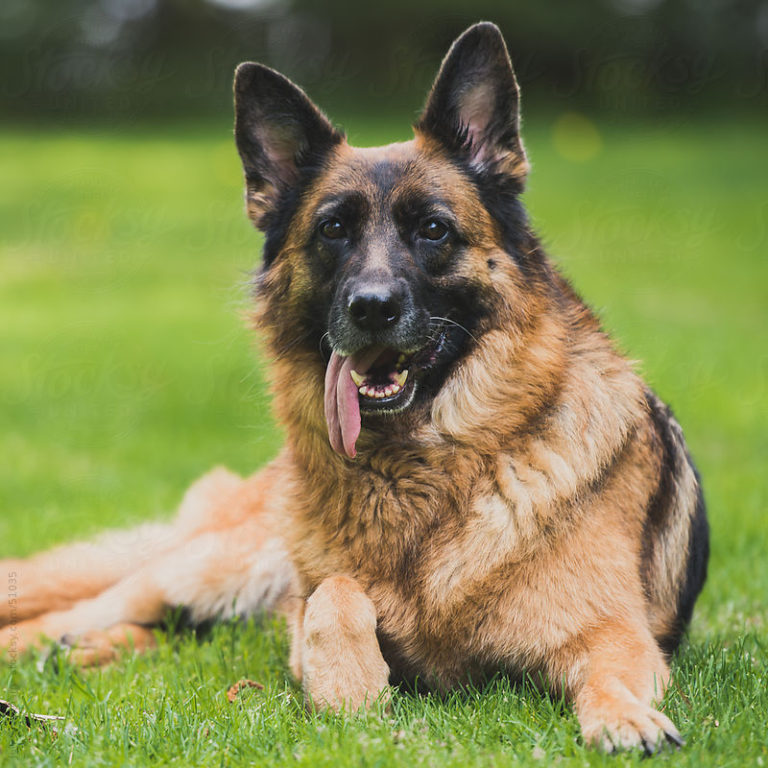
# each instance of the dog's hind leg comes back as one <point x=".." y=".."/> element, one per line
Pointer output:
<point x="55" y="580"/>
<point x="240" y="570"/>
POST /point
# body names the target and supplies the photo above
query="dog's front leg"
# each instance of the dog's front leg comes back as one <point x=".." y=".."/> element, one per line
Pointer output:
<point x="341" y="662"/>
<point x="622" y="674"/>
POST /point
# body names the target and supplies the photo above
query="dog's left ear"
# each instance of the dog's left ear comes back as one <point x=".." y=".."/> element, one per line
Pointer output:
<point x="473" y="108"/>
<point x="280" y="134"/>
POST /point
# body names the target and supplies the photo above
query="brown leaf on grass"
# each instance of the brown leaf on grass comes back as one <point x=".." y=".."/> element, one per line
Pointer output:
<point x="239" y="685"/>
<point x="11" y="710"/>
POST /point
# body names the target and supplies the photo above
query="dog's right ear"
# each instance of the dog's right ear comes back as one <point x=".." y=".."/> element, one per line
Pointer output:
<point x="280" y="133"/>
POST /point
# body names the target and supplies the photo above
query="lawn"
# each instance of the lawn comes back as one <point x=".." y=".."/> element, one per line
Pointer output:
<point x="126" y="371"/>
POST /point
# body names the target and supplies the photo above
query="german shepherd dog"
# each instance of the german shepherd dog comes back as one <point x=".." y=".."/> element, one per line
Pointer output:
<point x="474" y="479"/>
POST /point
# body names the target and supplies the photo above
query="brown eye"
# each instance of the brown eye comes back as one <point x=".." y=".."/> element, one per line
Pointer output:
<point x="333" y="229"/>
<point x="433" y="230"/>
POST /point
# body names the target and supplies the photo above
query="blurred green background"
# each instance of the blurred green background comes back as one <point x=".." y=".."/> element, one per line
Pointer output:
<point x="127" y="369"/>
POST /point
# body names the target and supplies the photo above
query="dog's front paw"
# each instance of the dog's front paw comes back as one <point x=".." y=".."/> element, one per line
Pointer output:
<point x="614" y="724"/>
<point x="342" y="665"/>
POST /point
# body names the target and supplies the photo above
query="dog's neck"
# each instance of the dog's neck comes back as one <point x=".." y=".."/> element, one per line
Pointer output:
<point x="500" y="441"/>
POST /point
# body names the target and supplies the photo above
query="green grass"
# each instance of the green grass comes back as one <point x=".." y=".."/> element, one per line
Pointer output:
<point x="126" y="371"/>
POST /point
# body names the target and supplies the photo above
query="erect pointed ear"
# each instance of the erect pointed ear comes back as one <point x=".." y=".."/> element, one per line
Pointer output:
<point x="279" y="133"/>
<point x="474" y="106"/>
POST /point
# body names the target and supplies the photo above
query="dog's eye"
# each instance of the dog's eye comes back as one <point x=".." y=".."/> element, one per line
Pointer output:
<point x="433" y="230"/>
<point x="333" y="229"/>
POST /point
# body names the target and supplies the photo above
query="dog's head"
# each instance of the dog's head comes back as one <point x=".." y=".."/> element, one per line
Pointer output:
<point x="388" y="263"/>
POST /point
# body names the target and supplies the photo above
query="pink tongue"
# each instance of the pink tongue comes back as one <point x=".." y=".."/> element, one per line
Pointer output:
<point x="342" y="408"/>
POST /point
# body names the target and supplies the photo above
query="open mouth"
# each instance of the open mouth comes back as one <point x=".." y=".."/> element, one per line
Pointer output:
<point x="386" y="381"/>
<point x="375" y="379"/>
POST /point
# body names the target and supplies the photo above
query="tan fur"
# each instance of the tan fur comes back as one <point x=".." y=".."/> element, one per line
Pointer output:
<point x="221" y="555"/>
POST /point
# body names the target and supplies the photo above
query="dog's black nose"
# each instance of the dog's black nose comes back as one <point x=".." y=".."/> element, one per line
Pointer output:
<point x="375" y="308"/>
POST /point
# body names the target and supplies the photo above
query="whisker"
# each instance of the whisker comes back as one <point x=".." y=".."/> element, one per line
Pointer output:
<point x="458" y="325"/>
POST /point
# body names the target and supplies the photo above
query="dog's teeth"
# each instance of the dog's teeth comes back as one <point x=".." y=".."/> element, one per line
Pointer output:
<point x="378" y="392"/>
<point x="357" y="378"/>
<point x="401" y="359"/>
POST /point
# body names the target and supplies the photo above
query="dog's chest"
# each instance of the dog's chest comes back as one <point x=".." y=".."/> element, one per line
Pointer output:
<point x="429" y="556"/>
